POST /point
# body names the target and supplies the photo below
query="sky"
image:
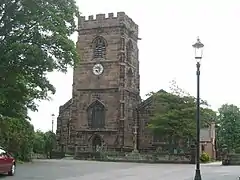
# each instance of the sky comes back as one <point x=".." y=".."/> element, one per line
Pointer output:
<point x="168" y="29"/>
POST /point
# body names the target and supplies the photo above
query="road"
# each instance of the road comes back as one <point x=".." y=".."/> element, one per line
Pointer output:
<point x="90" y="170"/>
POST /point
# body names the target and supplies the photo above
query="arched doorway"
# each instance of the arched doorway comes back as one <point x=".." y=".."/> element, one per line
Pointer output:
<point x="96" y="142"/>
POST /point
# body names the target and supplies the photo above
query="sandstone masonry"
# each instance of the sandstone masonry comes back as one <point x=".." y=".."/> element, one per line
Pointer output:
<point x="116" y="90"/>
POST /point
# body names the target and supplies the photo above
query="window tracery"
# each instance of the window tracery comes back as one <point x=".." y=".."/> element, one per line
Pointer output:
<point x="96" y="115"/>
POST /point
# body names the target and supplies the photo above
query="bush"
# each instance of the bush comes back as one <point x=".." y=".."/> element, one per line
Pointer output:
<point x="204" y="157"/>
<point x="237" y="150"/>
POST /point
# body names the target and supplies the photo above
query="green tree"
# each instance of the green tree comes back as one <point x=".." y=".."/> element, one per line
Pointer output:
<point x="39" y="142"/>
<point x="44" y="143"/>
<point x="228" y="126"/>
<point x="34" y="40"/>
<point x="16" y="136"/>
<point x="207" y="114"/>
<point x="174" y="114"/>
<point x="50" y="139"/>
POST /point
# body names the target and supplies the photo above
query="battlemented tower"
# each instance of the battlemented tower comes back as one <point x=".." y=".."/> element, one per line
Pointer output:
<point x="105" y="86"/>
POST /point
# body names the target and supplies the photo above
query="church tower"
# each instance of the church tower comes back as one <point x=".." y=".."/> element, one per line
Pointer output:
<point x="105" y="86"/>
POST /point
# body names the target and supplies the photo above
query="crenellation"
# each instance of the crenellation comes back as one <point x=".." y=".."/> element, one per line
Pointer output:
<point x="100" y="17"/>
<point x="91" y="17"/>
<point x="110" y="15"/>
<point x="121" y="15"/>
<point x="108" y="20"/>
<point x="83" y="18"/>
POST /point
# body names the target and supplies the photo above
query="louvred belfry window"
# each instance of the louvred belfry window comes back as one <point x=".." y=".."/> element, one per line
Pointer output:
<point x="99" y="45"/>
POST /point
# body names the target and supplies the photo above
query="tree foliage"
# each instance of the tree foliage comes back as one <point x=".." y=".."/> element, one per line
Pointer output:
<point x="174" y="114"/>
<point x="228" y="126"/>
<point x="16" y="136"/>
<point x="44" y="143"/>
<point x="34" y="38"/>
<point x="39" y="142"/>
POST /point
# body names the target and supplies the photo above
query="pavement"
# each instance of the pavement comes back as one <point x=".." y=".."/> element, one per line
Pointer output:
<point x="90" y="170"/>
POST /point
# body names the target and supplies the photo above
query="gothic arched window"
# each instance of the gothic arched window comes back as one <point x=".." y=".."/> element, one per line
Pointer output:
<point x="96" y="115"/>
<point x="99" y="47"/>
<point x="129" y="50"/>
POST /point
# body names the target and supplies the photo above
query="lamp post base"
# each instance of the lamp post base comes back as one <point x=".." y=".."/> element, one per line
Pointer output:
<point x="197" y="175"/>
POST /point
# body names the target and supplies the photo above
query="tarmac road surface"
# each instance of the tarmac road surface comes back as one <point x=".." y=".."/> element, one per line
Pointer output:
<point x="90" y="170"/>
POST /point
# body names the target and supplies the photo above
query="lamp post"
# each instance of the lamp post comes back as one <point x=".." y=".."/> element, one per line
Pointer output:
<point x="53" y="115"/>
<point x="198" y="46"/>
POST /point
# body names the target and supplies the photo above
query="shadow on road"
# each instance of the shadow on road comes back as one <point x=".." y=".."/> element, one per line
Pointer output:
<point x="2" y="176"/>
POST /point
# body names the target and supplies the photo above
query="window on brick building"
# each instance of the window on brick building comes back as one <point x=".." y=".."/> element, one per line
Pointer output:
<point x="96" y="115"/>
<point x="129" y="50"/>
<point x="99" y="45"/>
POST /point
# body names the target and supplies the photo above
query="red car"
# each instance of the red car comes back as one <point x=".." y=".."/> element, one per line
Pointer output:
<point x="7" y="163"/>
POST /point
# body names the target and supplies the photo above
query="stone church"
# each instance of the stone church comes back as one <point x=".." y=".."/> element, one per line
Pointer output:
<point x="106" y="107"/>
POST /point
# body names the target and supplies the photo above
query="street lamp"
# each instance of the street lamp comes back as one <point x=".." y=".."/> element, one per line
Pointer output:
<point x="198" y="46"/>
<point x="53" y="115"/>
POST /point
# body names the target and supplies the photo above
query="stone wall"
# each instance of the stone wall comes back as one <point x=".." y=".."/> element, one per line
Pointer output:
<point x="145" y="134"/>
<point x="117" y="88"/>
<point x="63" y="125"/>
<point x="209" y="148"/>
<point x="137" y="157"/>
<point x="231" y="159"/>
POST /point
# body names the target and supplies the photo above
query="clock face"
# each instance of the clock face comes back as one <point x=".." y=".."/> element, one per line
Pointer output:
<point x="97" y="69"/>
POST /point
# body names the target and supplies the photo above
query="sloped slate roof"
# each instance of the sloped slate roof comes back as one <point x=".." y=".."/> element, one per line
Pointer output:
<point x="148" y="101"/>
<point x="65" y="106"/>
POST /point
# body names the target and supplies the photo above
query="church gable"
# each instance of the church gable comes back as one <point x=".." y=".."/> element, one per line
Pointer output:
<point x="149" y="101"/>
<point x="146" y="108"/>
<point x="65" y="106"/>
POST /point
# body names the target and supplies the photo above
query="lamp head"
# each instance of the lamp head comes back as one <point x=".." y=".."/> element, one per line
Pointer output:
<point x="198" y="47"/>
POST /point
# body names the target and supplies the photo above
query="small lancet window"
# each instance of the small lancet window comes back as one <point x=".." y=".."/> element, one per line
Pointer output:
<point x="129" y="50"/>
<point x="99" y="45"/>
<point x="129" y="78"/>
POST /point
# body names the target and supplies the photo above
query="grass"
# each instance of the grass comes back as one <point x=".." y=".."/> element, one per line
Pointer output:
<point x="19" y="162"/>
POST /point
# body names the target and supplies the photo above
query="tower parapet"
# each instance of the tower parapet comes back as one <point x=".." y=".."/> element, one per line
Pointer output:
<point x="103" y="20"/>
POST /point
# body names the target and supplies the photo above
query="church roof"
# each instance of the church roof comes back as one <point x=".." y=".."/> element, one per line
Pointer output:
<point x="148" y="101"/>
<point x="65" y="106"/>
